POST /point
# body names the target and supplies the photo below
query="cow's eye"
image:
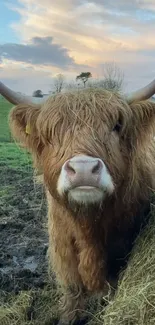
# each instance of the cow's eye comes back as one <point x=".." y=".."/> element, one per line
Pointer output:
<point x="117" y="127"/>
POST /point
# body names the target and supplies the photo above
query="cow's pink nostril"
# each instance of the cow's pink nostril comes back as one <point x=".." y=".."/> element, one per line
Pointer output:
<point x="97" y="167"/>
<point x="69" y="168"/>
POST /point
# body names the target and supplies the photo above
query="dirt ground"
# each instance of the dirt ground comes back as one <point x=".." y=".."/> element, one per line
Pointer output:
<point x="23" y="246"/>
<point x="23" y="239"/>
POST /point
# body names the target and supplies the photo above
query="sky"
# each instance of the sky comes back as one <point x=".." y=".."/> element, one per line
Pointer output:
<point x="40" y="38"/>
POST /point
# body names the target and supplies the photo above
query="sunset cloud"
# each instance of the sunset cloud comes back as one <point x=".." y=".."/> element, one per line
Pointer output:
<point x="70" y="36"/>
<point x="37" y="51"/>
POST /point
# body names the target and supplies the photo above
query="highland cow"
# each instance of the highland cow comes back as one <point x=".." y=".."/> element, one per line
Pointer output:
<point x="96" y="151"/>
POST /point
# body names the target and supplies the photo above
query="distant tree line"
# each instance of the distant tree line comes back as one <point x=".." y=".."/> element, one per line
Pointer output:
<point x="113" y="79"/>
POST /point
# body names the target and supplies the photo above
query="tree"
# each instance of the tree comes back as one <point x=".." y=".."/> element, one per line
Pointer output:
<point x="37" y="93"/>
<point x="58" y="83"/>
<point x="84" y="76"/>
<point x="113" y="77"/>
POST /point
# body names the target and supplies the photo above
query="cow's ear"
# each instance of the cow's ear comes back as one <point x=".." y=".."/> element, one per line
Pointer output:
<point x="143" y="122"/>
<point x="22" y="122"/>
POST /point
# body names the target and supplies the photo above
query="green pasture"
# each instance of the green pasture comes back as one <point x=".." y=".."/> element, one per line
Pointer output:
<point x="10" y="152"/>
<point x="5" y="107"/>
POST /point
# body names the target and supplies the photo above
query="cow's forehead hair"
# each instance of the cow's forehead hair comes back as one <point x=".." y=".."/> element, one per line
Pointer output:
<point x="83" y="107"/>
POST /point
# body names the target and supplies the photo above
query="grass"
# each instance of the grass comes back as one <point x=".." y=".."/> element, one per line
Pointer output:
<point x="13" y="156"/>
<point x="21" y="208"/>
<point x="13" y="160"/>
<point x="5" y="107"/>
<point x="22" y="221"/>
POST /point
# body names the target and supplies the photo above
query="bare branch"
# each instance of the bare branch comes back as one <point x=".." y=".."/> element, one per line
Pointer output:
<point x="59" y="83"/>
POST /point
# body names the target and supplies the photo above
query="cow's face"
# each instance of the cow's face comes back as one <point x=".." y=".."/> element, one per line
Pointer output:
<point x="84" y="161"/>
<point x="83" y="142"/>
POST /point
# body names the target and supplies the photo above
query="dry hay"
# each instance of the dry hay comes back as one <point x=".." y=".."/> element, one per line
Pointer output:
<point x="31" y="308"/>
<point x="134" y="301"/>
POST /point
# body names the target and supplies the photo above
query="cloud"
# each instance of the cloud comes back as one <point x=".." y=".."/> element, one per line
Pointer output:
<point x="87" y="28"/>
<point x="75" y="35"/>
<point x="38" y="51"/>
<point x="123" y="7"/>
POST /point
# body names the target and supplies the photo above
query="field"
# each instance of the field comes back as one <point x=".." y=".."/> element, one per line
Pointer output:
<point x="23" y="239"/>
<point x="4" y="127"/>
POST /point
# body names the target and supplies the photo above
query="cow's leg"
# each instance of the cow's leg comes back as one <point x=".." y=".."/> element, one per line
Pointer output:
<point x="92" y="262"/>
<point x="73" y="298"/>
<point x="92" y="269"/>
<point x="64" y="262"/>
<point x="72" y="305"/>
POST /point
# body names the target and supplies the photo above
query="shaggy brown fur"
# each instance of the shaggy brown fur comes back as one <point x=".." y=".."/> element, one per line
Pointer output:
<point x="88" y="246"/>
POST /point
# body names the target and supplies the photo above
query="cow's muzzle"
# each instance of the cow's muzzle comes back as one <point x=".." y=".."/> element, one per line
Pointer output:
<point x="85" y="179"/>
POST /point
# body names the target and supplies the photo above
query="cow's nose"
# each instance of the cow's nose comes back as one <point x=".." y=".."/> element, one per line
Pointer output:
<point x="85" y="179"/>
<point x="83" y="168"/>
<point x="75" y="167"/>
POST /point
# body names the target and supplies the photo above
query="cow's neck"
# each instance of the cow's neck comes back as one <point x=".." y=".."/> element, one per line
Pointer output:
<point x="107" y="233"/>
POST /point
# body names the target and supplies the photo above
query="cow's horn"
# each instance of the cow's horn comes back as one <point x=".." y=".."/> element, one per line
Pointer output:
<point x="16" y="98"/>
<point x="143" y="93"/>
